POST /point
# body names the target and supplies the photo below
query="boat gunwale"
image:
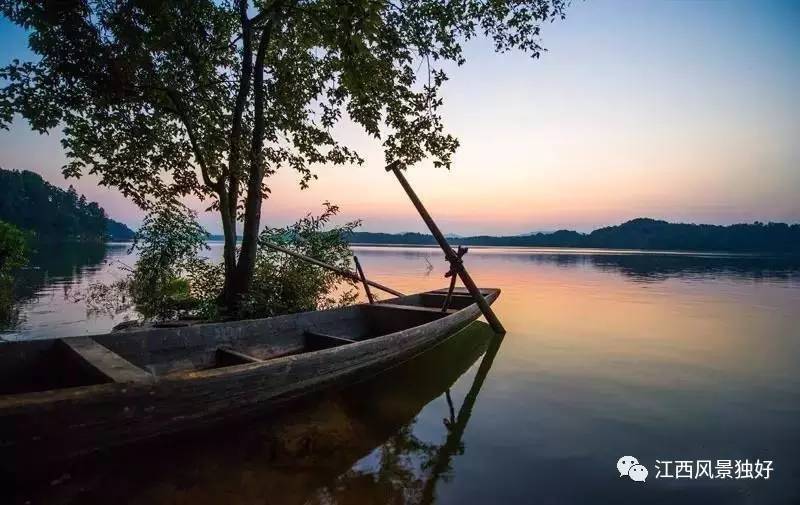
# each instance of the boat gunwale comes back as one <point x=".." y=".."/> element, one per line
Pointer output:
<point x="21" y="400"/>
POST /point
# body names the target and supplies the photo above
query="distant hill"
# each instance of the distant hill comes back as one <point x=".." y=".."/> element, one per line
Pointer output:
<point x="118" y="232"/>
<point x="31" y="203"/>
<point x="641" y="233"/>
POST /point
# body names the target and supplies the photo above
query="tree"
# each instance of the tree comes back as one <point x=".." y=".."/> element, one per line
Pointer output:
<point x="50" y="213"/>
<point x="164" y="99"/>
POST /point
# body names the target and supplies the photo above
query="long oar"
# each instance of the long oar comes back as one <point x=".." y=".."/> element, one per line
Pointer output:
<point x="456" y="265"/>
<point x="341" y="271"/>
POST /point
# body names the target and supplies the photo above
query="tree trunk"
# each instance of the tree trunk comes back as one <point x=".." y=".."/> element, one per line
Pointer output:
<point x="230" y="291"/>
<point x="252" y="222"/>
<point x="239" y="274"/>
<point x="252" y="205"/>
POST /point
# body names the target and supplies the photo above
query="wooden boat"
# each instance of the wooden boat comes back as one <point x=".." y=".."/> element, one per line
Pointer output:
<point x="289" y="455"/>
<point x="63" y="397"/>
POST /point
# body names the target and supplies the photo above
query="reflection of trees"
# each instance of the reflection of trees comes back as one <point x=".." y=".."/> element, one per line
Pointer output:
<point x="658" y="267"/>
<point x="646" y="265"/>
<point x="51" y="261"/>
<point x="395" y="481"/>
<point x="654" y="266"/>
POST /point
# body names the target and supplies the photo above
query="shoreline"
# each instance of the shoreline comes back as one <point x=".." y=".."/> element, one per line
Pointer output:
<point x="581" y="250"/>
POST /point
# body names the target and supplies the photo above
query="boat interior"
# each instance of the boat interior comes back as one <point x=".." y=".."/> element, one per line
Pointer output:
<point x="146" y="355"/>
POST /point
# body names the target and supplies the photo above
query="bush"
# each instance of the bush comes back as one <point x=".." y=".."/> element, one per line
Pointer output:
<point x="283" y="284"/>
<point x="13" y="255"/>
<point x="13" y="247"/>
<point x="170" y="278"/>
<point x="168" y="243"/>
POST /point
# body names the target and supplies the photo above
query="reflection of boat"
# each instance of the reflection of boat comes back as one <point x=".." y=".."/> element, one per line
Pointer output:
<point x="290" y="456"/>
<point x="78" y="394"/>
<point x="441" y="461"/>
<point x="410" y="469"/>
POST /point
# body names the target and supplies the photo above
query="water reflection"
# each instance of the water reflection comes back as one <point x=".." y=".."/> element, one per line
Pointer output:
<point x="61" y="270"/>
<point x="359" y="444"/>
<point x="655" y="355"/>
<point x="54" y="262"/>
<point x="653" y="267"/>
<point x="457" y="424"/>
<point x="638" y="265"/>
<point x="48" y="291"/>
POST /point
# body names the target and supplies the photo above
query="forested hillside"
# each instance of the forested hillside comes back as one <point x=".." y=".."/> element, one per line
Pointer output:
<point x="31" y="203"/>
<point x="642" y="233"/>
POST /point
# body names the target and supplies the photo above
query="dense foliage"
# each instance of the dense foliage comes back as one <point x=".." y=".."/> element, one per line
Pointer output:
<point x="639" y="233"/>
<point x="653" y="234"/>
<point x="169" y="243"/>
<point x="13" y="247"/>
<point x="13" y="255"/>
<point x="284" y="284"/>
<point x="173" y="277"/>
<point x="31" y="203"/>
<point x="208" y="98"/>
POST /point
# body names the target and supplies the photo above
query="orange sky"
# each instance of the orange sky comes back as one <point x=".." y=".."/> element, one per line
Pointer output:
<point x="683" y="111"/>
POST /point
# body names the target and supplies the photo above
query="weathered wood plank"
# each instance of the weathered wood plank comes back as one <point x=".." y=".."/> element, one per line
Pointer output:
<point x="343" y="340"/>
<point x="413" y="308"/>
<point x="168" y="351"/>
<point x="363" y="280"/>
<point x="106" y="362"/>
<point x="238" y="356"/>
<point x="316" y="341"/>
<point x="459" y="291"/>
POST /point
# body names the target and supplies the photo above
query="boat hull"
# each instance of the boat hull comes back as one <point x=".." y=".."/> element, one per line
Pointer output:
<point x="60" y="423"/>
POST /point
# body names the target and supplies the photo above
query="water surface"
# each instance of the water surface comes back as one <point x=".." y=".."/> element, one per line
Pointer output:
<point x="662" y="356"/>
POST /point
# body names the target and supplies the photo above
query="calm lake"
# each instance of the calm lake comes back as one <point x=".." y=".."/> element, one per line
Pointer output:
<point x="659" y="356"/>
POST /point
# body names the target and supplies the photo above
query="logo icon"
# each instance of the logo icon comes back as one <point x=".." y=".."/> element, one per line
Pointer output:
<point x="628" y="465"/>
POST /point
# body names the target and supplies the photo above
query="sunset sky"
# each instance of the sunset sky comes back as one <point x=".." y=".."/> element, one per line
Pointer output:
<point x="684" y="111"/>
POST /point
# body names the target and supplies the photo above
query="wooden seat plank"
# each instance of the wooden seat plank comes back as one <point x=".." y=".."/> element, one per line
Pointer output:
<point x="105" y="361"/>
<point x="239" y="355"/>
<point x="413" y="308"/>
<point x="458" y="292"/>
<point x="334" y="338"/>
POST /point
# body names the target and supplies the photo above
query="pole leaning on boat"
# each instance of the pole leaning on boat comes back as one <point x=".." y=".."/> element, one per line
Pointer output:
<point x="341" y="271"/>
<point x="455" y="260"/>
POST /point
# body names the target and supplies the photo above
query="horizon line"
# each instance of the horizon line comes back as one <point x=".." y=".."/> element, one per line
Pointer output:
<point x="545" y="232"/>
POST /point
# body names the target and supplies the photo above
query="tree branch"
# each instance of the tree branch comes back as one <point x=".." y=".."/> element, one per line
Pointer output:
<point x="258" y="85"/>
<point x="187" y="123"/>
<point x="253" y="22"/>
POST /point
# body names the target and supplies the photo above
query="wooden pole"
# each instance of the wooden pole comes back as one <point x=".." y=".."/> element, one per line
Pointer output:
<point x="451" y="255"/>
<point x="340" y="271"/>
<point x="446" y="304"/>
<point x="453" y="274"/>
<point x="363" y="279"/>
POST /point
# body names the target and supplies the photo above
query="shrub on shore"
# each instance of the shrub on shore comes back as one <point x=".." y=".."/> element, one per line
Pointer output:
<point x="173" y="279"/>
<point x="13" y="255"/>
